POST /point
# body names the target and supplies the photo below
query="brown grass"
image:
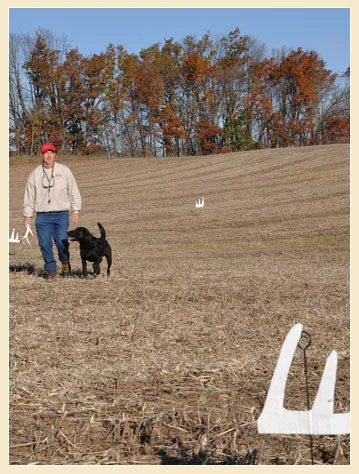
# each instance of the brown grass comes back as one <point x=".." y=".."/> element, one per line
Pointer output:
<point x="169" y="360"/>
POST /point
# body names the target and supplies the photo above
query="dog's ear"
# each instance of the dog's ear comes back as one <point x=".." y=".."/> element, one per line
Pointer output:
<point x="83" y="232"/>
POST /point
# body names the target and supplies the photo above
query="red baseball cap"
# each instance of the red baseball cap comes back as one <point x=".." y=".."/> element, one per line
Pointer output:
<point x="48" y="146"/>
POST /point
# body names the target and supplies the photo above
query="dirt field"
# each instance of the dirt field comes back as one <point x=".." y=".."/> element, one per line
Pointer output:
<point x="169" y="360"/>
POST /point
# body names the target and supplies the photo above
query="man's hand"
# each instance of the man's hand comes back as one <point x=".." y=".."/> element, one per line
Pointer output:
<point x="75" y="217"/>
<point x="27" y="221"/>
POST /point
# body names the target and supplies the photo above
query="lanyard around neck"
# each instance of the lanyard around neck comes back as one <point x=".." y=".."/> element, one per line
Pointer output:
<point x="49" y="181"/>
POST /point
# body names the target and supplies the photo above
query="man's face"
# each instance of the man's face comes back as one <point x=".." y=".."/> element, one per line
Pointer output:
<point x="48" y="158"/>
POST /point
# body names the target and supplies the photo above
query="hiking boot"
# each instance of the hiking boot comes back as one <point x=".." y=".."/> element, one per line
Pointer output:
<point x="66" y="268"/>
<point x="51" y="274"/>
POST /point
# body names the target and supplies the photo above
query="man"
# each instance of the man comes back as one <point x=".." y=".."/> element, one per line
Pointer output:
<point x="51" y="191"/>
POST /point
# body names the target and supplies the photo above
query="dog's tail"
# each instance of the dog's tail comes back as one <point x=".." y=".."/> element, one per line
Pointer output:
<point x="102" y="230"/>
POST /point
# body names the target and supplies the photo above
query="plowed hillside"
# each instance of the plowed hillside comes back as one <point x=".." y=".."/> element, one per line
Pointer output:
<point x="169" y="360"/>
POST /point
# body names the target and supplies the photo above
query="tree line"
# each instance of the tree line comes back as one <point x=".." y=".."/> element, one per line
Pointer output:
<point x="194" y="97"/>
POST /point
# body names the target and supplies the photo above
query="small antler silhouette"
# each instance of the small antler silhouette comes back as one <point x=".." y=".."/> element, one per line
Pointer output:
<point x="14" y="239"/>
<point x="200" y="202"/>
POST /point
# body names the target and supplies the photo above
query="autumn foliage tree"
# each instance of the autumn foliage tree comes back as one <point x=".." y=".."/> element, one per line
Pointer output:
<point x="200" y="96"/>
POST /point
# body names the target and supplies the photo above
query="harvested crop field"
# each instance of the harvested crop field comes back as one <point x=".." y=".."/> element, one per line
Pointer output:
<point x="169" y="360"/>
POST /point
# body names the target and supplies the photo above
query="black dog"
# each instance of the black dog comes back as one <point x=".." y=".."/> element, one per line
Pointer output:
<point x="92" y="248"/>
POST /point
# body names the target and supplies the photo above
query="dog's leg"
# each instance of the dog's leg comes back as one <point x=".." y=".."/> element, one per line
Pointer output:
<point x="84" y="268"/>
<point x="96" y="266"/>
<point x="109" y="263"/>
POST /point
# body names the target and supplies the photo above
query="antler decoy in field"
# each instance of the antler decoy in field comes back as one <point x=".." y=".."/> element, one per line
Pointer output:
<point x="321" y="419"/>
<point x="14" y="239"/>
<point x="200" y="202"/>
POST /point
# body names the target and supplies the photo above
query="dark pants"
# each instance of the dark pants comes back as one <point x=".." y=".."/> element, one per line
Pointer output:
<point x="52" y="227"/>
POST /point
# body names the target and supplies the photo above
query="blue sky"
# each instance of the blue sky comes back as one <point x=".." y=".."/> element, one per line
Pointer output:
<point x="91" y="30"/>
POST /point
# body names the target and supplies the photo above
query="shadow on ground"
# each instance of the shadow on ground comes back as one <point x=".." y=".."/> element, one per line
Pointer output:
<point x="203" y="458"/>
<point x="29" y="269"/>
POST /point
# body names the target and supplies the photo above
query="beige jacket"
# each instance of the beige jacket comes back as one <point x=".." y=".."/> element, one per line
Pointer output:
<point x="63" y="194"/>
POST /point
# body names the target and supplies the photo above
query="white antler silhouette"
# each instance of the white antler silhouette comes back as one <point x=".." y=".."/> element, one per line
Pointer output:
<point x="14" y="239"/>
<point x="320" y="419"/>
<point x="200" y="202"/>
<point x="28" y="230"/>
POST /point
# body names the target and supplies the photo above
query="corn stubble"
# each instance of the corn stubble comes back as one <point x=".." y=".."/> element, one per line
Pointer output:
<point x="169" y="360"/>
